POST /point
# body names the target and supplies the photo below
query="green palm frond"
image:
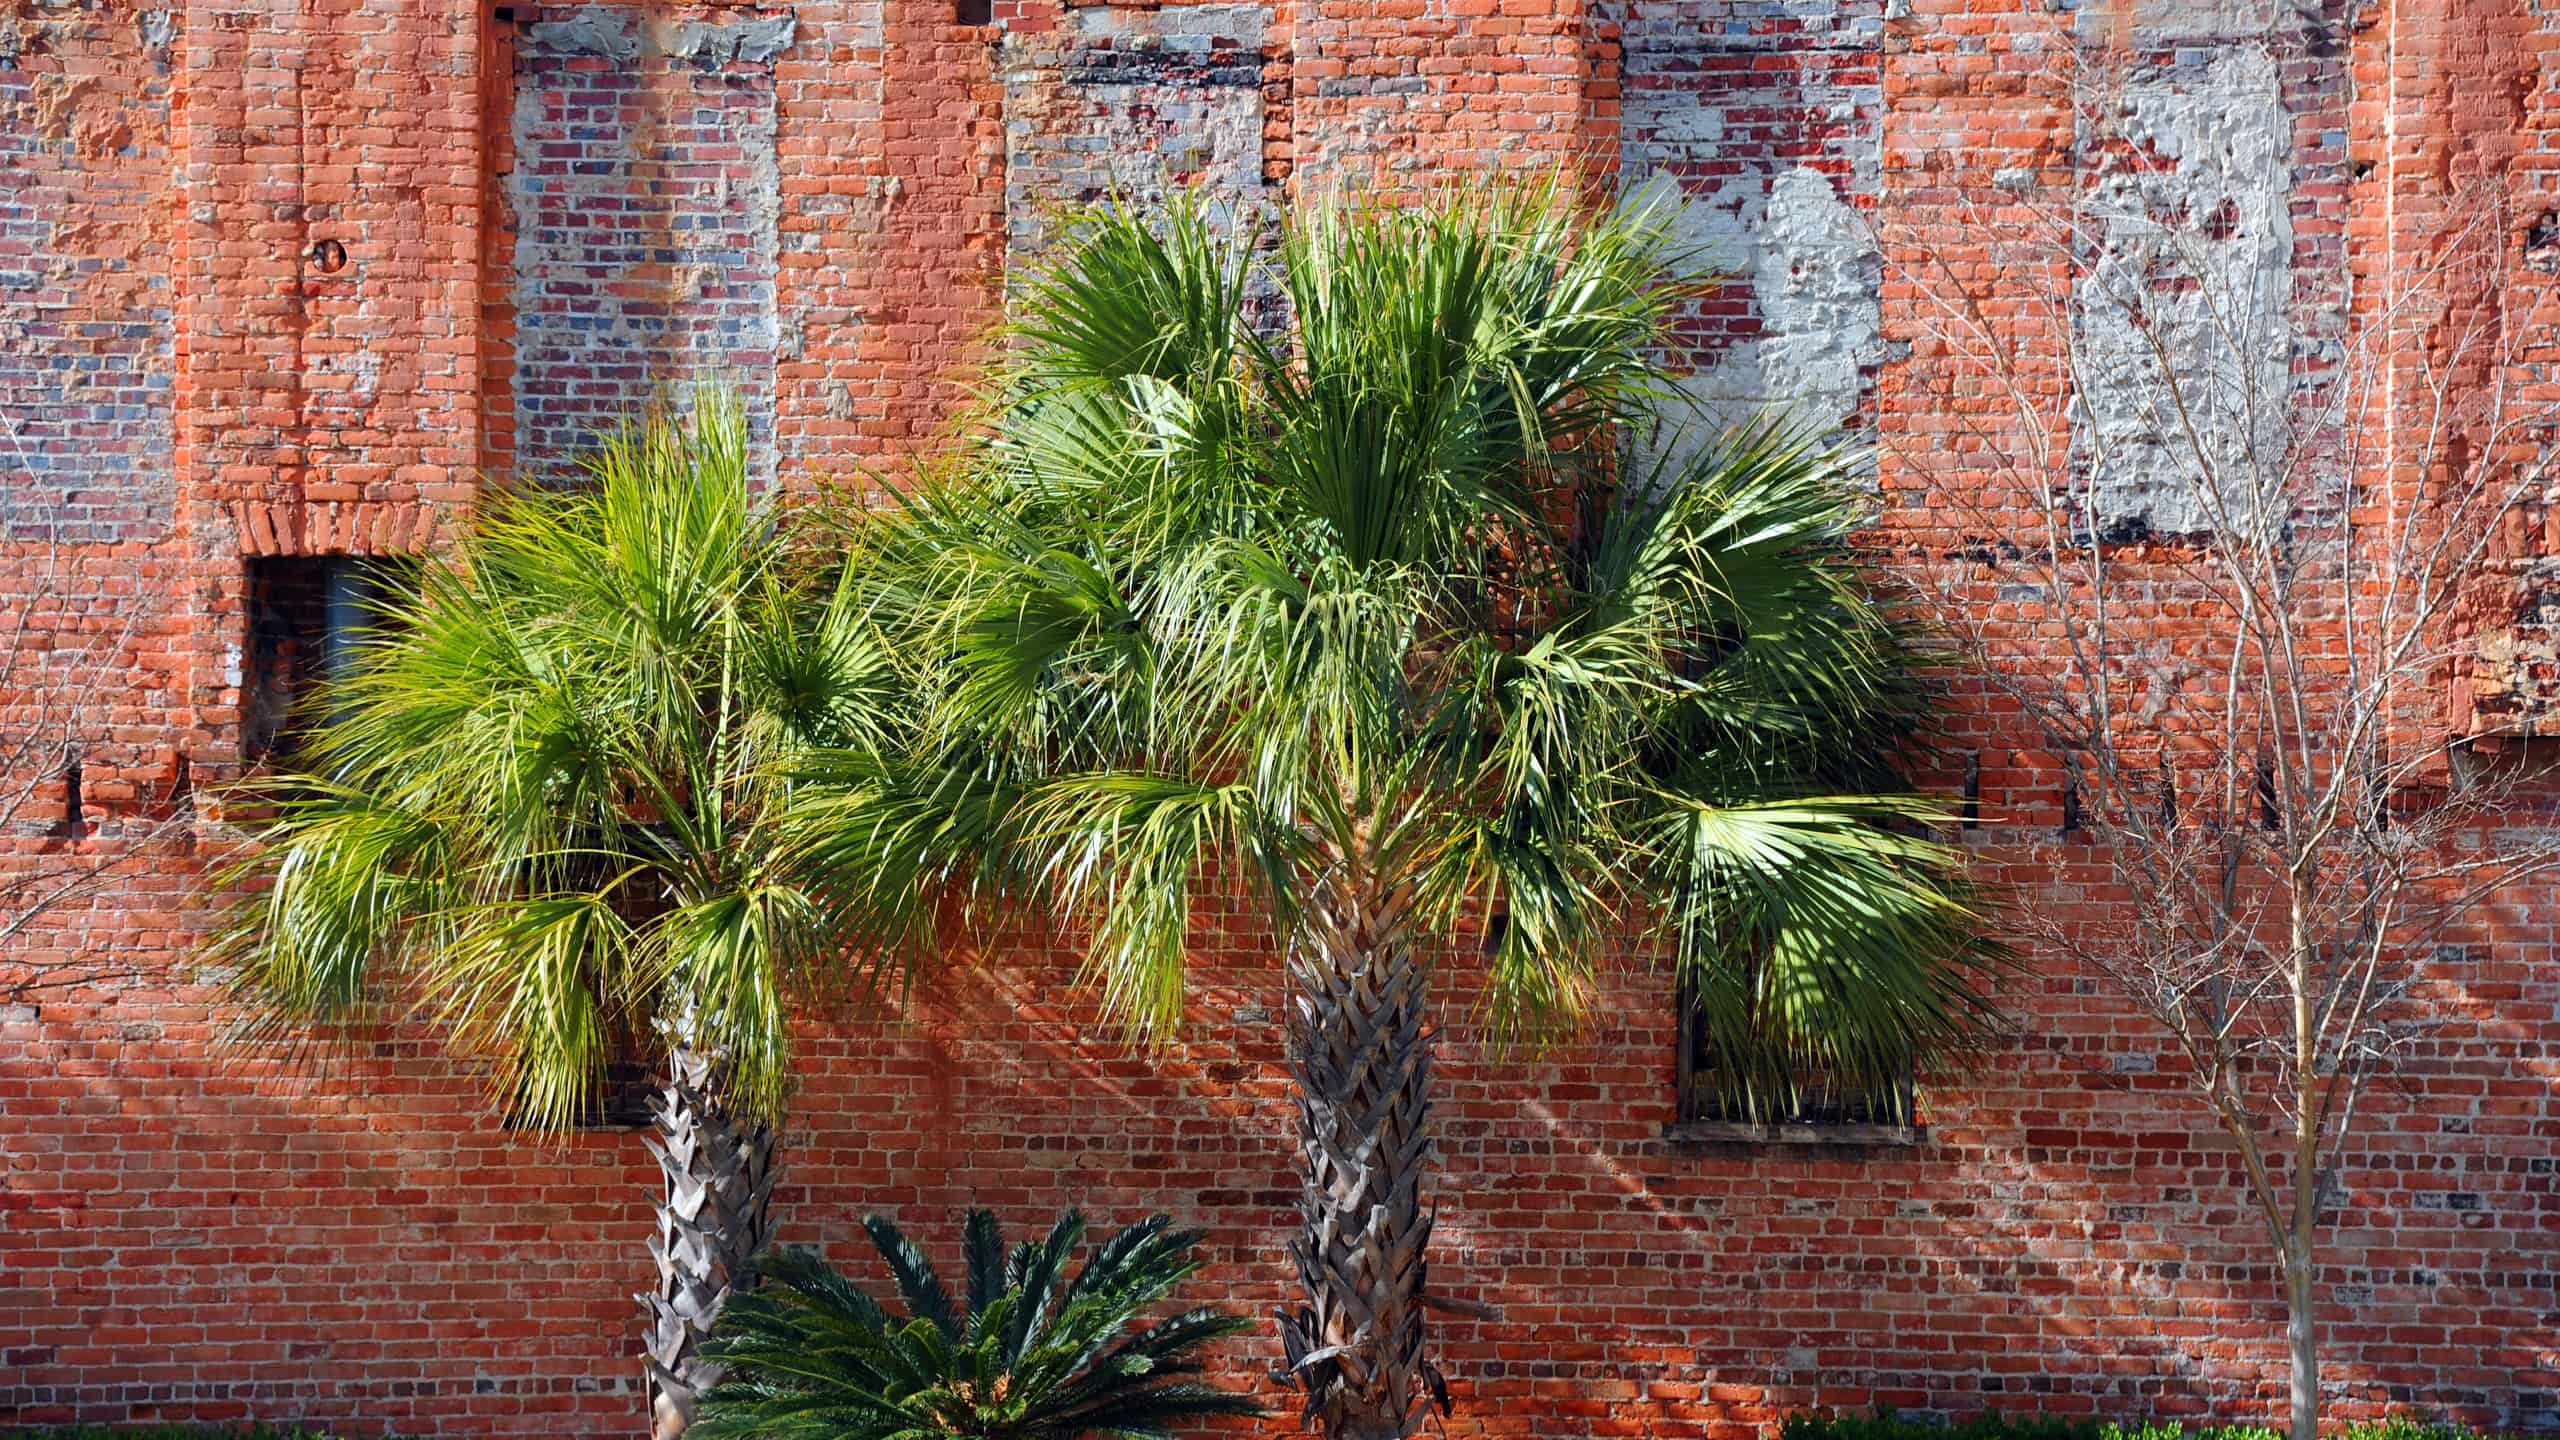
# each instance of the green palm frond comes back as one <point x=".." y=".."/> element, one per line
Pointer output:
<point x="1821" y="935"/>
<point x="1037" y="1354"/>
<point x="1378" y="577"/>
<point x="562" y="796"/>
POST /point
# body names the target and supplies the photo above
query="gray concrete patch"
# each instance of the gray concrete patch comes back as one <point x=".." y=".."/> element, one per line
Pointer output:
<point x="2181" y="325"/>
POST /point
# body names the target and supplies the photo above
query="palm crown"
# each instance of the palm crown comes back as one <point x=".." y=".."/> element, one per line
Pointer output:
<point x="551" y="798"/>
<point x="554" y="804"/>
<point x="1389" y="596"/>
<point x="1337" y="567"/>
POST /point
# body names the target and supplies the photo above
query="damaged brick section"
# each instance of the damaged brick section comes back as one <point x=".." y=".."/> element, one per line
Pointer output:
<point x="2200" y="203"/>
<point x="1133" y="103"/>
<point x="85" y="333"/>
<point x="1767" y="115"/>
<point x="645" y="195"/>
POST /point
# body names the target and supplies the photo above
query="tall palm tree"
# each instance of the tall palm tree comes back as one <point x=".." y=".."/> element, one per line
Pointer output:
<point x="548" y="804"/>
<point x="1335" y="567"/>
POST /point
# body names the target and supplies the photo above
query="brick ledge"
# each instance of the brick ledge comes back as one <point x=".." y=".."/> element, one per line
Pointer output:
<point x="1727" y="1132"/>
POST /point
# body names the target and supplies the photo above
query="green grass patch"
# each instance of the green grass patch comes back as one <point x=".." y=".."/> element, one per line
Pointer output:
<point x="1888" y="1425"/>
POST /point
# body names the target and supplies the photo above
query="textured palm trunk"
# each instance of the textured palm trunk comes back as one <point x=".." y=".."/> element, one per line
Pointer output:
<point x="712" y="1222"/>
<point x="1362" y="1065"/>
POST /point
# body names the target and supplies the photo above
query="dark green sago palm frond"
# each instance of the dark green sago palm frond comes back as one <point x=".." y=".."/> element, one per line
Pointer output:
<point x="1382" y="608"/>
<point x="1026" y="1352"/>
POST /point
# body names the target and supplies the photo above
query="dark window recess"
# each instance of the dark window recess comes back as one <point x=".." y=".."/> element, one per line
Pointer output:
<point x="974" y="12"/>
<point x="619" y="1100"/>
<point x="73" y="814"/>
<point x="308" y="617"/>
<point x="1773" y="1089"/>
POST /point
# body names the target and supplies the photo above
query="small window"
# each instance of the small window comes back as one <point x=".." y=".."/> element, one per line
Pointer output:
<point x="974" y="12"/>
<point x="1776" y="1090"/>
<point x="308" y="614"/>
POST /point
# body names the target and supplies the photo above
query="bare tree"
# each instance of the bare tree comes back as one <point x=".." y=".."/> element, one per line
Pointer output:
<point x="81" y="802"/>
<point x="2225" y="532"/>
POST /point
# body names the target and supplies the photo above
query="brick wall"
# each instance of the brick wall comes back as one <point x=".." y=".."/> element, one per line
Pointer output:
<point x="645" y="198"/>
<point x="1767" y="118"/>
<point x="1127" y="105"/>
<point x="84" y="276"/>
<point x="824" y="195"/>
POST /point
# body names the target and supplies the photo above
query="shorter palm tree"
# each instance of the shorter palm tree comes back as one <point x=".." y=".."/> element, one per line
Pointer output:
<point x="1026" y="1354"/>
<point x="547" y="806"/>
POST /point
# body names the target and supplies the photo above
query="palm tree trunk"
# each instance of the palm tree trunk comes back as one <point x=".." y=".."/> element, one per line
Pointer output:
<point x="712" y="1222"/>
<point x="1362" y="1066"/>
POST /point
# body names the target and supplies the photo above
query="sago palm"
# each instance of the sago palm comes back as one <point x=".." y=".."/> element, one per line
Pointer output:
<point x="1027" y="1352"/>
<point x="1377" y="604"/>
<point x="547" y="807"/>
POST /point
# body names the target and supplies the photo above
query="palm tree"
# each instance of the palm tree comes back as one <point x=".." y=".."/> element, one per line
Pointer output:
<point x="1335" y="567"/>
<point x="1027" y="1353"/>
<point x="548" y="804"/>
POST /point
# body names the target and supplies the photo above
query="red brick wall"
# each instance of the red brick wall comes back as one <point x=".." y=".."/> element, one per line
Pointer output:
<point x="644" y="196"/>
<point x="187" y="1232"/>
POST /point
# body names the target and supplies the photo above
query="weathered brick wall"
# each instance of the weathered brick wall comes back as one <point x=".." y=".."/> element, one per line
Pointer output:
<point x="646" y="195"/>
<point x="2511" y="679"/>
<point x="1128" y="105"/>
<point x="191" y="1232"/>
<point x="1768" y="119"/>
<point x="85" y="337"/>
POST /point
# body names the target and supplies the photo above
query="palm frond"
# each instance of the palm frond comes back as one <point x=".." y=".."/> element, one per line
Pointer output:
<point x="556" y="796"/>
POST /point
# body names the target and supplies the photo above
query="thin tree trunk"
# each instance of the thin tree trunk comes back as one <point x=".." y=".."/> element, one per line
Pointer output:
<point x="712" y="1222"/>
<point x="2302" y="1338"/>
<point x="2301" y="1296"/>
<point x="1362" y="1066"/>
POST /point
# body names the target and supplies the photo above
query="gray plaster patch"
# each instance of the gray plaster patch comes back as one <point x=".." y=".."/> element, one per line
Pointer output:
<point x="2161" y="21"/>
<point x="1814" y="270"/>
<point x="157" y="27"/>
<point x="2181" y="324"/>
<point x="1767" y="116"/>
<point x="621" y="34"/>
<point x="597" y="30"/>
<point x="1132" y="105"/>
<point x="756" y="39"/>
